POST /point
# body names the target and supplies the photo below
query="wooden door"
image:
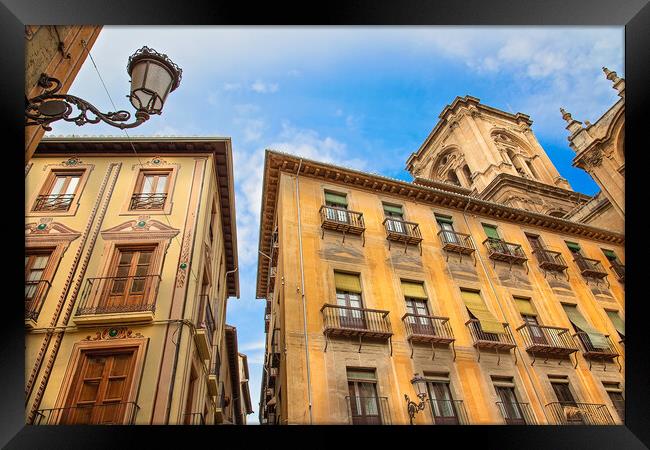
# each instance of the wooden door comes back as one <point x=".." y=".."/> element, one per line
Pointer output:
<point x="511" y="408"/>
<point x="395" y="222"/>
<point x="538" y="248"/>
<point x="35" y="265"/>
<point x="420" y="322"/>
<point x="350" y="318"/>
<point x="128" y="286"/>
<point x="536" y="333"/>
<point x="100" y="390"/>
<point x="571" y="412"/>
<point x="442" y="405"/>
<point x="448" y="233"/>
<point x="364" y="403"/>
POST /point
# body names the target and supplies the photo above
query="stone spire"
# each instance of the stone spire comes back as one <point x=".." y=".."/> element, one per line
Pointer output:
<point x="618" y="82"/>
<point x="573" y="125"/>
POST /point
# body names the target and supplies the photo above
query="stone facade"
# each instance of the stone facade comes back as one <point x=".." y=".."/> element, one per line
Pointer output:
<point x="126" y="293"/>
<point x="329" y="339"/>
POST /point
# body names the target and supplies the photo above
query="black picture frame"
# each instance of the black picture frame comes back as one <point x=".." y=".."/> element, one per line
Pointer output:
<point x="633" y="14"/>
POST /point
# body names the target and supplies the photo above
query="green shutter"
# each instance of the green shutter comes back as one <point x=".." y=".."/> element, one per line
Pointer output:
<point x="337" y="199"/>
<point x="479" y="309"/>
<point x="491" y="231"/>
<point x="617" y="321"/>
<point x="525" y="306"/>
<point x="610" y="255"/>
<point x="597" y="339"/>
<point x="347" y="282"/>
<point x="443" y="219"/>
<point x="393" y="209"/>
<point x="413" y="290"/>
<point x="572" y="246"/>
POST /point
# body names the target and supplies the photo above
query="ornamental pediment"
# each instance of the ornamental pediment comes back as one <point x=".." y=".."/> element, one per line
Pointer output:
<point x="48" y="230"/>
<point x="142" y="227"/>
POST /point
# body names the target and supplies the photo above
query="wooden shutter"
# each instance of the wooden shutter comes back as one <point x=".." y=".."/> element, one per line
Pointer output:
<point x="337" y="199"/>
<point x="347" y="282"/>
<point x="413" y="290"/>
<point x="525" y="306"/>
<point x="474" y="302"/>
<point x="597" y="339"/>
<point x="491" y="231"/>
<point x="617" y="322"/>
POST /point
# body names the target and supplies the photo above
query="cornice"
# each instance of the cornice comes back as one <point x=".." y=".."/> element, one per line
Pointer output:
<point x="277" y="162"/>
<point x="508" y="180"/>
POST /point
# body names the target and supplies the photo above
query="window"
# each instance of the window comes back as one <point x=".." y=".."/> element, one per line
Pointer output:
<point x="453" y="178"/>
<point x="591" y="339"/>
<point x="468" y="174"/>
<point x="337" y="205"/>
<point x="363" y="399"/>
<point x="491" y="231"/>
<point x="36" y="286"/>
<point x="151" y="189"/>
<point x="58" y="191"/>
<point x="395" y="217"/>
<point x="618" y="323"/>
<point x="615" y="394"/>
<point x="190" y="418"/>
<point x="130" y="280"/>
<point x="348" y="297"/>
<point x="417" y="308"/>
<point x="484" y="325"/>
<point x="510" y="407"/>
<point x="529" y="316"/>
<point x="575" y="248"/>
<point x="446" y="224"/>
<point x="443" y="408"/>
<point x="611" y="256"/>
<point x="100" y="389"/>
<point x="560" y="385"/>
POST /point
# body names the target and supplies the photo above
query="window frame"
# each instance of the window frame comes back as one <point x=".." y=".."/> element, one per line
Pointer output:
<point x="139" y="171"/>
<point x="46" y="186"/>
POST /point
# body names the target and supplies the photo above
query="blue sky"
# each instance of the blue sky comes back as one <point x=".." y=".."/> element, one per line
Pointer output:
<point x="363" y="97"/>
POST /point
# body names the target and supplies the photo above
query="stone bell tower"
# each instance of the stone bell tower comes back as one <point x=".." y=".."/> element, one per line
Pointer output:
<point x="493" y="155"/>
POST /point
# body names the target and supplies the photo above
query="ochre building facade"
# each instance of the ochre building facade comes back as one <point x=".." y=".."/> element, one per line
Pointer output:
<point x="470" y="277"/>
<point x="131" y="256"/>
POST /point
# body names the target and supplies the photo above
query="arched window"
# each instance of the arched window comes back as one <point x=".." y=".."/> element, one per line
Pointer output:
<point x="468" y="174"/>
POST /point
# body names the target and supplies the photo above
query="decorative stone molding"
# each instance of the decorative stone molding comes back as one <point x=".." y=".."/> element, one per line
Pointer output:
<point x="46" y="230"/>
<point x="141" y="228"/>
<point x="72" y="161"/>
<point x="154" y="162"/>
<point x="114" y="333"/>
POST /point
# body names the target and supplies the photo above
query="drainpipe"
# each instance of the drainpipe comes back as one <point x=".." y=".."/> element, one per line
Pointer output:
<point x="496" y="296"/>
<point x="302" y="292"/>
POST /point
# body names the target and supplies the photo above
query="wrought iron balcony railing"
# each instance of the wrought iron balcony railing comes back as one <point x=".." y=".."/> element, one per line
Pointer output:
<point x="195" y="418"/>
<point x="114" y="295"/>
<point x="571" y="413"/>
<point x="517" y="413"/>
<point x="456" y="242"/>
<point x="340" y="219"/>
<point x="206" y="318"/>
<point x="399" y="230"/>
<point x="348" y="321"/>
<point x="550" y="260"/>
<point x="35" y="293"/>
<point x="368" y="410"/>
<point x="500" y="250"/>
<point x="619" y="269"/>
<point x="591" y="268"/>
<point x="428" y="329"/>
<point x="148" y="201"/>
<point x="545" y="340"/>
<point x="91" y="414"/>
<point x="498" y="341"/>
<point x="589" y="351"/>
<point x="60" y="202"/>
<point x="448" y="412"/>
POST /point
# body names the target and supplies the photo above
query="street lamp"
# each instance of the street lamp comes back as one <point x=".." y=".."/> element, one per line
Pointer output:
<point x="420" y="385"/>
<point x="153" y="77"/>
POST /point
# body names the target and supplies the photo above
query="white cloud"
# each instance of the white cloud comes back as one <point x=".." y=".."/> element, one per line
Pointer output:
<point x="231" y="86"/>
<point x="262" y="87"/>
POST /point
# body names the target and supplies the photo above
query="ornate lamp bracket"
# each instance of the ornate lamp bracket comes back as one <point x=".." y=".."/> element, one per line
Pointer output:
<point x="414" y="408"/>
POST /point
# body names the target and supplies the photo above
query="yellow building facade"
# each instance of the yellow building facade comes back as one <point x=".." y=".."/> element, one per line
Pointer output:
<point x="505" y="311"/>
<point x="131" y="255"/>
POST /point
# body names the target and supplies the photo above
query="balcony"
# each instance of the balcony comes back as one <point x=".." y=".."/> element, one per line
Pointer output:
<point x="148" y="201"/>
<point x="340" y="219"/>
<point x="109" y="300"/>
<point x="494" y="341"/>
<point x="205" y="327"/>
<point x="591" y="268"/>
<point x="35" y="293"/>
<point x="619" y="270"/>
<point x="220" y="405"/>
<point x="213" y="374"/>
<point x="594" y="353"/>
<point x="550" y="260"/>
<point x="500" y="250"/>
<point x="91" y="414"/>
<point x="348" y="321"/>
<point x="429" y="329"/>
<point x="368" y="410"/>
<point x="547" y="341"/>
<point x="274" y="350"/>
<point x="571" y="413"/>
<point x="516" y="413"/>
<point x="59" y="202"/>
<point x="195" y="418"/>
<point x="448" y="412"/>
<point x="398" y="230"/>
<point x="453" y="241"/>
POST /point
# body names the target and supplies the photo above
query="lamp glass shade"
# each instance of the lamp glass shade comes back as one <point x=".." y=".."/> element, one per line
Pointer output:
<point x="151" y="82"/>
<point x="420" y="384"/>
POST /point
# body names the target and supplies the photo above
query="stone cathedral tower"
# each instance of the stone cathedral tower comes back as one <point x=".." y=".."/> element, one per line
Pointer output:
<point x="493" y="155"/>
